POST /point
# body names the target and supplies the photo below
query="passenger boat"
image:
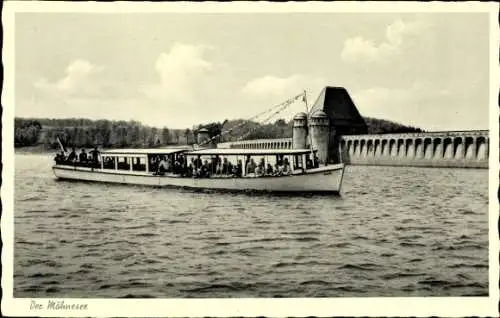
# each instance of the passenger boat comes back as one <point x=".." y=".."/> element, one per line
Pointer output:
<point x="197" y="167"/>
<point x="135" y="166"/>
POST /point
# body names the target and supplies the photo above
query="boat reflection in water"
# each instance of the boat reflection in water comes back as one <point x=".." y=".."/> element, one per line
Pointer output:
<point x="268" y="170"/>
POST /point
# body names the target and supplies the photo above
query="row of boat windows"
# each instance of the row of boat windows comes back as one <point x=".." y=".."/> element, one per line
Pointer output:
<point x="123" y="163"/>
<point x="201" y="166"/>
<point x="205" y="166"/>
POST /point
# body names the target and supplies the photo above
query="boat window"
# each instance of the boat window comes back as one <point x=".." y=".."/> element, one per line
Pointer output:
<point x="108" y="162"/>
<point x="309" y="162"/>
<point x="297" y="162"/>
<point x="154" y="161"/>
<point x="138" y="164"/>
<point x="123" y="163"/>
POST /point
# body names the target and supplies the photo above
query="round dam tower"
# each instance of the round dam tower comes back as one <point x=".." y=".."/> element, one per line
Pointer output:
<point x="203" y="137"/>
<point x="319" y="128"/>
<point x="299" y="132"/>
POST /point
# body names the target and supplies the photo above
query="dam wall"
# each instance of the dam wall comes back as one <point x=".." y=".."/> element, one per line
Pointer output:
<point x="453" y="149"/>
<point x="335" y="128"/>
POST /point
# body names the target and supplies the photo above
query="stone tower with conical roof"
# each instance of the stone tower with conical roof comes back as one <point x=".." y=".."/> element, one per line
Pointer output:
<point x="344" y="118"/>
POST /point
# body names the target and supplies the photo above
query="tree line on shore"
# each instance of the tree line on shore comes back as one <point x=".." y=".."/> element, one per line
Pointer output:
<point x="382" y="126"/>
<point x="81" y="132"/>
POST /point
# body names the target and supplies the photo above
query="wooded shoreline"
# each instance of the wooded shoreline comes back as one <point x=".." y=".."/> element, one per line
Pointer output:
<point x="40" y="135"/>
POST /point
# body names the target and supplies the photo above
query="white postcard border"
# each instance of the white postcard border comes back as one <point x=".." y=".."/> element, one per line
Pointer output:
<point x="375" y="306"/>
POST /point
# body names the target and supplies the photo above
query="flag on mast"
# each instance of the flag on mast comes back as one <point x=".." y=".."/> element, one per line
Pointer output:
<point x="304" y="99"/>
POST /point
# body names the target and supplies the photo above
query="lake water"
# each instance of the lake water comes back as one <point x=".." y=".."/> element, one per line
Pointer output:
<point x="395" y="231"/>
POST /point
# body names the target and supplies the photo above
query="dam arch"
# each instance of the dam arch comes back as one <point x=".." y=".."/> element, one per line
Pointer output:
<point x="409" y="148"/>
<point x="458" y="148"/>
<point x="448" y="148"/>
<point x="470" y="152"/>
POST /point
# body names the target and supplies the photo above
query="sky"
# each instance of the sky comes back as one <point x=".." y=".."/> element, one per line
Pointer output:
<point x="182" y="69"/>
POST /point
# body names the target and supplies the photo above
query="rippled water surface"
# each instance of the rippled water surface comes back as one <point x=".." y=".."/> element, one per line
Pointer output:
<point x="393" y="232"/>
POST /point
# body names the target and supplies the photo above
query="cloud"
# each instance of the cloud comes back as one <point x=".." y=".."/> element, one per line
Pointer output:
<point x="181" y="70"/>
<point x="282" y="87"/>
<point x="266" y="91"/>
<point x="398" y="104"/>
<point x="425" y="105"/>
<point x="81" y="80"/>
<point x="398" y="36"/>
<point x="271" y="85"/>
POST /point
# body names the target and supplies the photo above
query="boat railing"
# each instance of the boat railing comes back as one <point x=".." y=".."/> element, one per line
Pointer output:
<point x="86" y="164"/>
<point x="211" y="175"/>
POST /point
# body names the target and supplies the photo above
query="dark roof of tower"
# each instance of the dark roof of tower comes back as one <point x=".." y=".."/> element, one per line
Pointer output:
<point x="338" y="105"/>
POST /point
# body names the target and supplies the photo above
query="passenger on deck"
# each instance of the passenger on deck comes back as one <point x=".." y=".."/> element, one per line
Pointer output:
<point x="212" y="166"/>
<point x="60" y="158"/>
<point x="286" y="167"/>
<point x="152" y="164"/>
<point x="184" y="164"/>
<point x="261" y="168"/>
<point x="316" y="161"/>
<point x="278" y="169"/>
<point x="95" y="156"/>
<point x="83" y="156"/>
<point x="181" y="160"/>
<point x="170" y="163"/>
<point x="191" y="170"/>
<point x="251" y="166"/>
<point x="204" y="170"/>
<point x="269" y="170"/>
<point x="198" y="163"/>
<point x="72" y="156"/>
<point x="109" y="163"/>
<point x="245" y="165"/>
<point x="197" y="169"/>
<point x="225" y="167"/>
<point x="217" y="167"/>
<point x="238" y="171"/>
<point x="279" y="160"/>
<point x="177" y="167"/>
<point x="163" y="166"/>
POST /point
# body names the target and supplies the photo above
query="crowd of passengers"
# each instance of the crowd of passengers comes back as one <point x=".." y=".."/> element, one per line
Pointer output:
<point x="217" y="167"/>
<point x="82" y="159"/>
<point x="196" y="167"/>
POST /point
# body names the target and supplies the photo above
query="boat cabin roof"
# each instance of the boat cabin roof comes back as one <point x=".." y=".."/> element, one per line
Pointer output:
<point x="248" y="152"/>
<point x="205" y="152"/>
<point x="155" y="151"/>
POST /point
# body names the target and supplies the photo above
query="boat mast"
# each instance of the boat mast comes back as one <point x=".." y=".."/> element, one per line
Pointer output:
<point x="63" y="149"/>
<point x="308" y="132"/>
<point x="273" y="110"/>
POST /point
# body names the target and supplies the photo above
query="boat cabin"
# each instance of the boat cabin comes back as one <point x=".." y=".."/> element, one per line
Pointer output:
<point x="218" y="162"/>
<point x="138" y="160"/>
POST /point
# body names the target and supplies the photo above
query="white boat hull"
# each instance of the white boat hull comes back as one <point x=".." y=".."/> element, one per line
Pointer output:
<point x="326" y="179"/>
